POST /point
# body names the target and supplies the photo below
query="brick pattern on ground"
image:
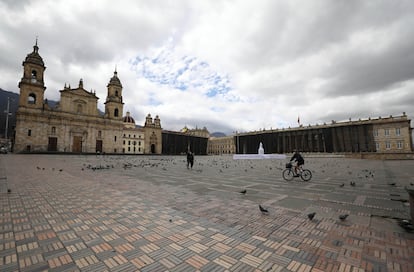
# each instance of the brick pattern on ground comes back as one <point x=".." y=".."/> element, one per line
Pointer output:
<point x="152" y="214"/>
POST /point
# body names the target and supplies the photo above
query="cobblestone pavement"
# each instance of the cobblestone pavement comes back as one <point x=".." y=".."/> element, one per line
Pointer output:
<point x="150" y="213"/>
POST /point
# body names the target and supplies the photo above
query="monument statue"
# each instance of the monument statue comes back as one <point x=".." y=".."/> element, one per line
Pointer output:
<point x="261" y="149"/>
<point x="259" y="156"/>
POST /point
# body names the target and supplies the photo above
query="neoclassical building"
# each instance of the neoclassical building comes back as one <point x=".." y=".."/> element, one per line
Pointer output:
<point x="376" y="138"/>
<point x="221" y="145"/>
<point x="387" y="135"/>
<point x="75" y="124"/>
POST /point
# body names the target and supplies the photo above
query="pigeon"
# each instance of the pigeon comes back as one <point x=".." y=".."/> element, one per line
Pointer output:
<point x="406" y="225"/>
<point x="352" y="183"/>
<point x="263" y="210"/>
<point x="342" y="185"/>
<point x="243" y="191"/>
<point x="343" y="216"/>
<point x="311" y="215"/>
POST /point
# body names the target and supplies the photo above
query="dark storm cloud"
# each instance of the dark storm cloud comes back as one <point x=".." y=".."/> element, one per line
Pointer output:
<point x="15" y="5"/>
<point x="364" y="72"/>
<point x="334" y="59"/>
<point x="286" y="31"/>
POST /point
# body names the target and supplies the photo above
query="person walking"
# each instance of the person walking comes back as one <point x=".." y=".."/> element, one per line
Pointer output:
<point x="190" y="160"/>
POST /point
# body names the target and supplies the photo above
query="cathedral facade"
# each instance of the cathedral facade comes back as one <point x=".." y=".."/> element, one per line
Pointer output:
<point x="75" y="124"/>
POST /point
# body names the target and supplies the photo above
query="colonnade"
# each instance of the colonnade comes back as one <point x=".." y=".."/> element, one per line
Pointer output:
<point x="357" y="138"/>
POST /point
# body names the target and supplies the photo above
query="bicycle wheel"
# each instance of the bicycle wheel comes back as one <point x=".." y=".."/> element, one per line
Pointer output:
<point x="287" y="174"/>
<point x="306" y="175"/>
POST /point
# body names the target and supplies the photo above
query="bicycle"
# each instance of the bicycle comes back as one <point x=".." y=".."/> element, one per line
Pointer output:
<point x="289" y="173"/>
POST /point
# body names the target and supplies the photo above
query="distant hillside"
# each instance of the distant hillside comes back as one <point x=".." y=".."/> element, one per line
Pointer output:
<point x="14" y="103"/>
<point x="217" y="134"/>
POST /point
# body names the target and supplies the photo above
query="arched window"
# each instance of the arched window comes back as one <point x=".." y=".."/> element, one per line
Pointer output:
<point x="31" y="99"/>
<point x="116" y="112"/>
<point x="79" y="109"/>
<point x="116" y="92"/>
<point x="53" y="130"/>
<point x="34" y="74"/>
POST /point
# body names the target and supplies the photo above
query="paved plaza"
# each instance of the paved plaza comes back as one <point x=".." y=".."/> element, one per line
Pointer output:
<point x="151" y="213"/>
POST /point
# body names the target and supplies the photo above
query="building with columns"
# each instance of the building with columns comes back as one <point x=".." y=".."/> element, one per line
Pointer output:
<point x="392" y="134"/>
<point x="75" y="124"/>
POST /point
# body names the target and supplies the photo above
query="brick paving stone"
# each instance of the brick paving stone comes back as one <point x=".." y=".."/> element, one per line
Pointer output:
<point x="12" y="267"/>
<point x="43" y="266"/>
<point x="98" y="267"/>
<point x="123" y="267"/>
<point x="154" y="267"/>
<point x="183" y="267"/>
<point x="235" y="253"/>
<point x="52" y="254"/>
<point x="242" y="267"/>
<point x="197" y="261"/>
<point x="158" y="254"/>
<point x="82" y="253"/>
<point x="213" y="267"/>
<point x="149" y="218"/>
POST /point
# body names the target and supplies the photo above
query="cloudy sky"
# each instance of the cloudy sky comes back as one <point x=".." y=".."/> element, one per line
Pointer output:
<point x="230" y="66"/>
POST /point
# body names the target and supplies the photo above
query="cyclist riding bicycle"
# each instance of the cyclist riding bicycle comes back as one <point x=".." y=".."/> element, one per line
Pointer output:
<point x="299" y="161"/>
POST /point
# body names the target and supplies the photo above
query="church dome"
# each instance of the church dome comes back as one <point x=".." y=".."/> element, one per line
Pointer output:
<point x="128" y="118"/>
<point x="34" y="57"/>
<point x="115" y="80"/>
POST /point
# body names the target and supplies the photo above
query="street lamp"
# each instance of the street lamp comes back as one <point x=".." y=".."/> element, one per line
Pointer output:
<point x="8" y="113"/>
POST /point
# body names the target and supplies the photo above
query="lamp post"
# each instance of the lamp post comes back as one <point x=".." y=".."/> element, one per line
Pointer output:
<point x="8" y="113"/>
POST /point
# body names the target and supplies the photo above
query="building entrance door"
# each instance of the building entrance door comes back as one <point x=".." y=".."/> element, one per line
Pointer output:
<point x="77" y="144"/>
<point x="99" y="146"/>
<point x="52" y="146"/>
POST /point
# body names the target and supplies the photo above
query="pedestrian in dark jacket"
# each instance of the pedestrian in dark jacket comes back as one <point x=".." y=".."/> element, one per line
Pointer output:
<point x="190" y="160"/>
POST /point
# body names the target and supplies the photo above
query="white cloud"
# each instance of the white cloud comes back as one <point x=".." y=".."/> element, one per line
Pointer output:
<point x="227" y="65"/>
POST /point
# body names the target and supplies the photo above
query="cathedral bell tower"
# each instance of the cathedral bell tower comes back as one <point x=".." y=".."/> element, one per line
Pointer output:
<point x="32" y="86"/>
<point x="114" y="105"/>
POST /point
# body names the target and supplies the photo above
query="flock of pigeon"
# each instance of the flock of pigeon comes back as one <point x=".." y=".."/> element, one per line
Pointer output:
<point x="265" y="211"/>
<point x="367" y="174"/>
